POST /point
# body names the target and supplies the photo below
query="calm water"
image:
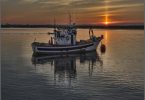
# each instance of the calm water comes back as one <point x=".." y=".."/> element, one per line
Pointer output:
<point x="115" y="75"/>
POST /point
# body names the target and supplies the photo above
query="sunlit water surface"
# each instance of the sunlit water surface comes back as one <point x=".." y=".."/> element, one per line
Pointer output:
<point x="115" y="75"/>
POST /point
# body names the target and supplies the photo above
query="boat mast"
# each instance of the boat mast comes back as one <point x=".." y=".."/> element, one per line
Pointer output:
<point x="70" y="20"/>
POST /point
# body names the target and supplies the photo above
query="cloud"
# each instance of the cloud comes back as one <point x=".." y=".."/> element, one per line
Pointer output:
<point x="83" y="9"/>
<point x="30" y="0"/>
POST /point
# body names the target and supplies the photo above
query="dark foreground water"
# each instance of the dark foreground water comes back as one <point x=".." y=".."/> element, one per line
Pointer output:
<point x="115" y="75"/>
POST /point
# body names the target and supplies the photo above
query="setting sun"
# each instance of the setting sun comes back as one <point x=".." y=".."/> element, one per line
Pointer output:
<point x="106" y="23"/>
<point x="106" y="19"/>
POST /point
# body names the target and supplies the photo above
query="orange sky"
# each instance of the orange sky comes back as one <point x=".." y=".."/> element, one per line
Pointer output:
<point x="83" y="11"/>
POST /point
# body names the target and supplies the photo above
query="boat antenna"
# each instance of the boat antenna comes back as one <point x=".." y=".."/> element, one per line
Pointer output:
<point x="54" y="21"/>
<point x="34" y="37"/>
<point x="70" y="20"/>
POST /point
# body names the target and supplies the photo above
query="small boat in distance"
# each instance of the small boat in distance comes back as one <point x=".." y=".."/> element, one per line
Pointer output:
<point x="64" y="41"/>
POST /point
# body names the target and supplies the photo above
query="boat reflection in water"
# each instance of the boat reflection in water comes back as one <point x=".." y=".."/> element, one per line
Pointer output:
<point x="65" y="66"/>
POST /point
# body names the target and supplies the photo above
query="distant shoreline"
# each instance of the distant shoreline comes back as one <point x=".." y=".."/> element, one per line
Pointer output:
<point x="77" y="26"/>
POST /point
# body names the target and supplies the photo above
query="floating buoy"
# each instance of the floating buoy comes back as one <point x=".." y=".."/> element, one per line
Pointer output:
<point x="103" y="48"/>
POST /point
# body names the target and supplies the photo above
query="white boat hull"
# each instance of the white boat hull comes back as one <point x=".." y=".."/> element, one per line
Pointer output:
<point x="81" y="48"/>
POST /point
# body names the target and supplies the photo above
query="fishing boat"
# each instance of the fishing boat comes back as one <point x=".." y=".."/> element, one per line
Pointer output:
<point x="63" y="41"/>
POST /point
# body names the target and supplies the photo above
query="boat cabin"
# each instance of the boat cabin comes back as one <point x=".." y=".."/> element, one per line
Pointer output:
<point x="65" y="36"/>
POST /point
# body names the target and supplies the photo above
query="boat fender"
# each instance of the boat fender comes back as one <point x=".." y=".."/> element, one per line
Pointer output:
<point x="103" y="48"/>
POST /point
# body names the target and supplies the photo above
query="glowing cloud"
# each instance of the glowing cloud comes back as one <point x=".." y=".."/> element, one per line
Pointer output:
<point x="85" y="11"/>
